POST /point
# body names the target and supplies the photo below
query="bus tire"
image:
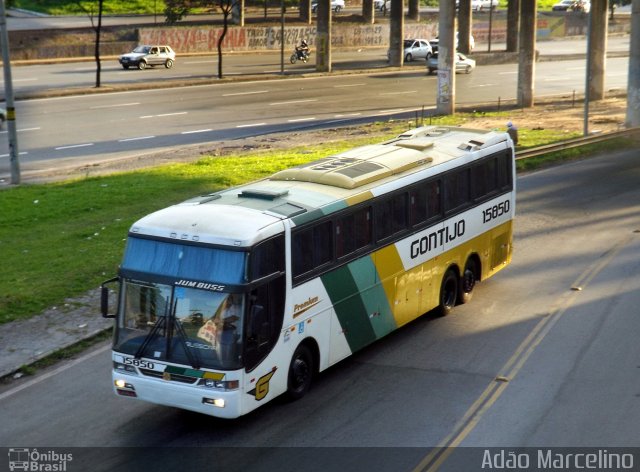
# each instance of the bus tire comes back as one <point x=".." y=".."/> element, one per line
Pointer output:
<point x="300" y="373"/>
<point x="468" y="281"/>
<point x="448" y="293"/>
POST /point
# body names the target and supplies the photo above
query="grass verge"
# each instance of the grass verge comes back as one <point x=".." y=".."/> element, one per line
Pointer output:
<point x="60" y="240"/>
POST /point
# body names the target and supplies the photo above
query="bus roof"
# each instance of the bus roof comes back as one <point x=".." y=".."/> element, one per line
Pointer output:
<point x="244" y="215"/>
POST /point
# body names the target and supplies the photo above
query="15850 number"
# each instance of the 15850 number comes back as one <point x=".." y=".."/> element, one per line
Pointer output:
<point x="495" y="211"/>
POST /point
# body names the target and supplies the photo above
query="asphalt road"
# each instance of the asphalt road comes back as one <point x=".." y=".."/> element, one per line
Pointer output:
<point x="545" y="354"/>
<point x="88" y="129"/>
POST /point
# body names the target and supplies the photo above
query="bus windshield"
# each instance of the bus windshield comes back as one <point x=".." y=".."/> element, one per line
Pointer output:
<point x="182" y="325"/>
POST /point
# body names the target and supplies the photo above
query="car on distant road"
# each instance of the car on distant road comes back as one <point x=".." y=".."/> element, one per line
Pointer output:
<point x="435" y="42"/>
<point x="416" y="49"/>
<point x="572" y="5"/>
<point x="482" y="5"/>
<point x="149" y="55"/>
<point x="336" y="5"/>
<point x="463" y="63"/>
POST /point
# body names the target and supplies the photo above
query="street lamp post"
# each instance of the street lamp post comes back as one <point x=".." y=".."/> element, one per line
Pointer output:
<point x="8" y="92"/>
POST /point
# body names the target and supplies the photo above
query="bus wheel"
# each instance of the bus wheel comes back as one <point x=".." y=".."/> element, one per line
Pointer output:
<point x="300" y="373"/>
<point x="448" y="292"/>
<point x="468" y="281"/>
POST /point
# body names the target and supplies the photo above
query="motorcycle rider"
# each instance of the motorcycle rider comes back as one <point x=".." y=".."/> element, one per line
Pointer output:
<point x="302" y="50"/>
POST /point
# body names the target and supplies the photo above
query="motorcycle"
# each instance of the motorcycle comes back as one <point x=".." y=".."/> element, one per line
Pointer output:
<point x="299" y="55"/>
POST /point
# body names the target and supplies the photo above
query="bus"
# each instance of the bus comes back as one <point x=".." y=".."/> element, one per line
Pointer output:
<point x="230" y="299"/>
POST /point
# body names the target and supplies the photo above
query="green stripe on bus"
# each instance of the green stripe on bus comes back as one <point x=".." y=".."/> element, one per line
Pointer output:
<point x="374" y="298"/>
<point x="349" y="307"/>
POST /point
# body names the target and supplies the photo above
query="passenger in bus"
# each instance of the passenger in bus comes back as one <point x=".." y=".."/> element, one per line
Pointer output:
<point x="513" y="132"/>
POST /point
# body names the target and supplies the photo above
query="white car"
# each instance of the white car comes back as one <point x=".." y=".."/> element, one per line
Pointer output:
<point x="480" y="5"/>
<point x="149" y="55"/>
<point x="416" y="49"/>
<point x="463" y="63"/>
<point x="336" y="5"/>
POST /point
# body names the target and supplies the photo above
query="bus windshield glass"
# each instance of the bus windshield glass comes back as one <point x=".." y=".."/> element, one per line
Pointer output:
<point x="182" y="325"/>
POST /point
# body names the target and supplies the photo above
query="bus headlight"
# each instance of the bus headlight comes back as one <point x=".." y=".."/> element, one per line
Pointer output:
<point x="219" y="402"/>
<point x="129" y="369"/>
<point x="220" y="384"/>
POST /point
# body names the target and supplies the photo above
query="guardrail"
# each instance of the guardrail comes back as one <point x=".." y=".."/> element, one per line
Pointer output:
<point x="571" y="143"/>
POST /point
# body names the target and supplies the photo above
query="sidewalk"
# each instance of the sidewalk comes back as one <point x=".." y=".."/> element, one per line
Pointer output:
<point x="24" y="342"/>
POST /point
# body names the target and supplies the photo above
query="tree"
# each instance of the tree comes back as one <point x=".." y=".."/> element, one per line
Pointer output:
<point x="177" y="9"/>
<point x="97" y="28"/>
<point x="613" y="4"/>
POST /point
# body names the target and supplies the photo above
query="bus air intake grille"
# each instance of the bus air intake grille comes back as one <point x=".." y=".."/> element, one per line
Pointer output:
<point x="171" y="377"/>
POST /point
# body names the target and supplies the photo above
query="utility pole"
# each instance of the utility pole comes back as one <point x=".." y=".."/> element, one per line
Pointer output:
<point x="633" y="85"/>
<point x="8" y="93"/>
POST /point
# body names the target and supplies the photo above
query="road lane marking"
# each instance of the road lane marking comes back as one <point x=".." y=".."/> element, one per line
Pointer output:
<point x="297" y="120"/>
<point x="244" y="93"/>
<point x="197" y="131"/>
<point x="19" y="154"/>
<point x="291" y="102"/>
<point x="346" y="115"/>
<point x="514" y="364"/>
<point x="135" y="139"/>
<point x="53" y="373"/>
<point x="72" y="146"/>
<point x="29" y="79"/>
<point x="164" y="114"/>
<point x="399" y="93"/>
<point x="349" y="85"/>
<point x="115" y="105"/>
<point x="251" y="125"/>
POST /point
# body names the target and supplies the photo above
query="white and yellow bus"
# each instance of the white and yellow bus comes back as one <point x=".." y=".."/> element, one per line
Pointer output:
<point x="230" y="299"/>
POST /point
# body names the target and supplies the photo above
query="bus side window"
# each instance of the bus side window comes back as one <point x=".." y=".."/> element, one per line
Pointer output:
<point x="457" y="190"/>
<point x="312" y="248"/>
<point x="266" y="313"/>
<point x="505" y="172"/>
<point x="391" y="216"/>
<point x="484" y="179"/>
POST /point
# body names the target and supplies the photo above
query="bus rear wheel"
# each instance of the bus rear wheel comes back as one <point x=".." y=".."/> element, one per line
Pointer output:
<point x="468" y="281"/>
<point x="448" y="293"/>
<point x="300" y="373"/>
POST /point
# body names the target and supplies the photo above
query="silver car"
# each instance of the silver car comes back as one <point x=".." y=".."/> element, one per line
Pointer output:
<point x="149" y="55"/>
<point x="416" y="49"/>
<point x="463" y="63"/>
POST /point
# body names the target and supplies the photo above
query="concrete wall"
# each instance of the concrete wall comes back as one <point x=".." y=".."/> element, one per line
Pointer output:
<point x="49" y="44"/>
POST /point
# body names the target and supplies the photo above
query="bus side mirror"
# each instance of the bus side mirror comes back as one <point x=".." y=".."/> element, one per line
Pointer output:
<point x="104" y="298"/>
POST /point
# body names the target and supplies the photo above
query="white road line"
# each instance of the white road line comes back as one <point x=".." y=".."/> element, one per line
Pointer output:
<point x="349" y="85"/>
<point x="115" y="106"/>
<point x="385" y="112"/>
<point x="135" y="139"/>
<point x="244" y="93"/>
<point x="251" y="125"/>
<point x="556" y="79"/>
<point x="164" y="114"/>
<point x="311" y="118"/>
<point x="19" y="154"/>
<point x="345" y="115"/>
<point x="31" y="79"/>
<point x="197" y="131"/>
<point x="61" y="148"/>
<point x="173" y="114"/>
<point x="20" y="130"/>
<point x="53" y="373"/>
<point x="482" y="85"/>
<point x="290" y="102"/>
<point x="400" y="93"/>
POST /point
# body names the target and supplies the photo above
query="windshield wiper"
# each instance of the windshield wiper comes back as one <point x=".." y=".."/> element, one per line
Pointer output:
<point x="149" y="337"/>
<point x="194" y="361"/>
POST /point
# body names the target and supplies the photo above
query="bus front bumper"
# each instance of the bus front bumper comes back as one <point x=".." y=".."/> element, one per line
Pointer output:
<point x="221" y="404"/>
